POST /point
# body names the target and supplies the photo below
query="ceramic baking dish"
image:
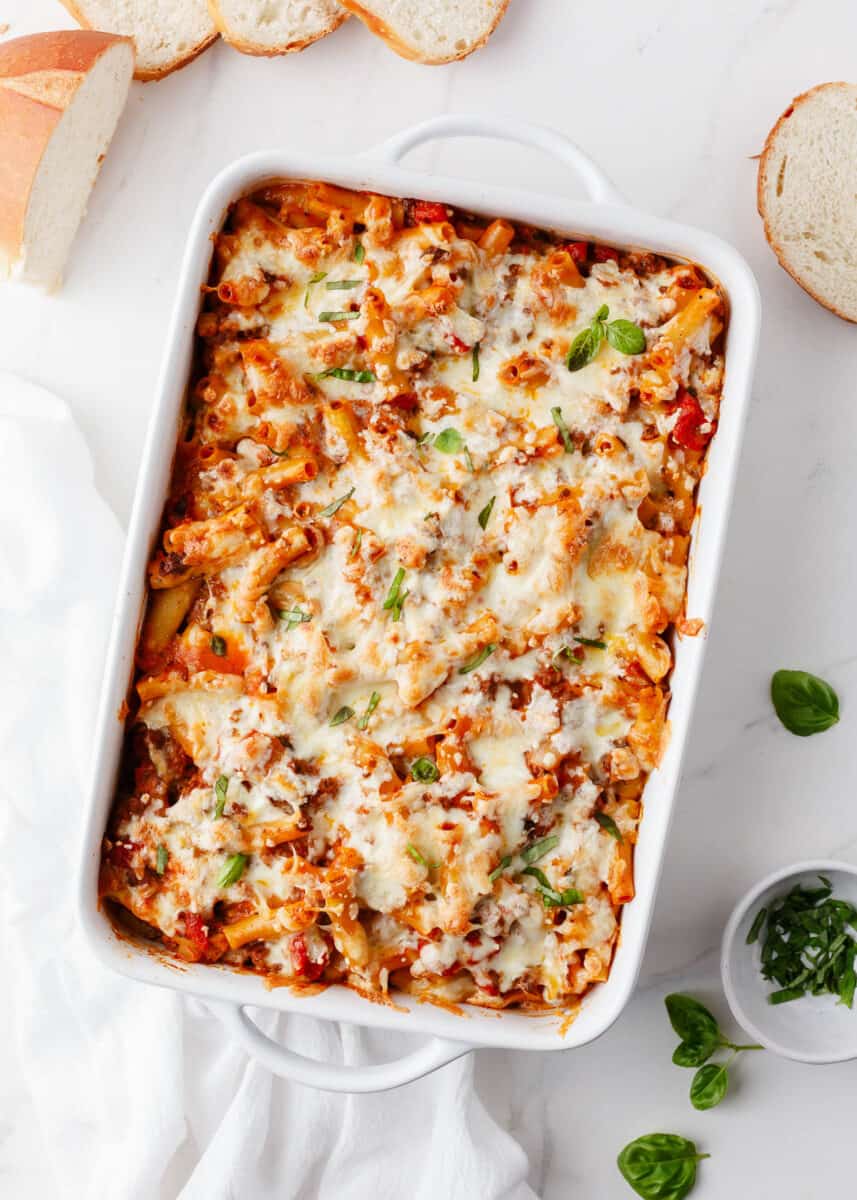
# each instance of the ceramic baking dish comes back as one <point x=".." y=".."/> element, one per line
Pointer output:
<point x="604" y="217"/>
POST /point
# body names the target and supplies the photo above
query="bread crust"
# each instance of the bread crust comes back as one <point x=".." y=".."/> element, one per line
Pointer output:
<point x="762" y="181"/>
<point x="256" y="48"/>
<point x="28" y="121"/>
<point x="144" y="74"/>
<point x="382" y="30"/>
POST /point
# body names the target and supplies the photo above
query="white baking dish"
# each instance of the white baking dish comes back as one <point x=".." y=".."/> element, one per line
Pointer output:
<point x="605" y="218"/>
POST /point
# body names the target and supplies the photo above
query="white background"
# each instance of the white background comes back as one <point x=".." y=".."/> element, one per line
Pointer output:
<point x="673" y="99"/>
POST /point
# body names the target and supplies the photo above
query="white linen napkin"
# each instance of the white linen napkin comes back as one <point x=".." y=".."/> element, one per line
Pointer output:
<point x="123" y="1090"/>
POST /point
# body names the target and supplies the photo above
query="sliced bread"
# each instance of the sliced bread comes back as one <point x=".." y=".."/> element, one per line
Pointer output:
<point x="431" y="31"/>
<point x="806" y="194"/>
<point x="167" y="33"/>
<point x="60" y="99"/>
<point x="271" y="27"/>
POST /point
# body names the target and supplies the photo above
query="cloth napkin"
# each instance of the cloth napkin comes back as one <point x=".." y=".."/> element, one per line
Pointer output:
<point x="122" y="1089"/>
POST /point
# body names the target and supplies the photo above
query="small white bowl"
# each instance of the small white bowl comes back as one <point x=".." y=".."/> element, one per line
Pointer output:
<point x="814" y="1029"/>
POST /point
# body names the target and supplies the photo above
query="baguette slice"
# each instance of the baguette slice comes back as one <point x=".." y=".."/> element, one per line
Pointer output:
<point x="271" y="27"/>
<point x="60" y="99"/>
<point x="431" y="31"/>
<point x="806" y="194"/>
<point x="167" y="33"/>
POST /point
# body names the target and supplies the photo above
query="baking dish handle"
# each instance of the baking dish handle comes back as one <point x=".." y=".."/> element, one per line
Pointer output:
<point x="334" y="1077"/>
<point x="598" y="186"/>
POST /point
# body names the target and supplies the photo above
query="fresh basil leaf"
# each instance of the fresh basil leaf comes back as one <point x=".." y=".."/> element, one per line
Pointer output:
<point x="708" y="1086"/>
<point x="294" y="617"/>
<point x="485" y="514"/>
<point x="475" y="356"/>
<point x="330" y="317"/>
<point x="602" y="314"/>
<point x="593" y="642"/>
<point x="313" y="279"/>
<point x="359" y="253"/>
<point x="220" y="790"/>
<point x="233" y="870"/>
<point x="163" y="857"/>
<point x="416" y="856"/>
<point x="847" y="986"/>
<point x="342" y="285"/>
<point x="333" y="509"/>
<point x="424" y="770"/>
<point x="660" y="1166"/>
<point x="504" y="863"/>
<point x="691" y="1020"/>
<point x="624" y="336"/>
<point x="341" y="716"/>
<point x="693" y="1054"/>
<point x="559" y="421"/>
<point x="396" y="597"/>
<point x="349" y="374"/>
<point x="551" y="896"/>
<point x="374" y="701"/>
<point x="804" y="703"/>
<point x="477" y="659"/>
<point x="609" y="825"/>
<point x="756" y="927"/>
<point x="449" y="441"/>
<point x="539" y="849"/>
<point x="218" y="645"/>
<point x="584" y="348"/>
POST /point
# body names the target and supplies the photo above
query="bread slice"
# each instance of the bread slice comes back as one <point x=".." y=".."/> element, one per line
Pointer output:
<point x="271" y="27"/>
<point x="431" y="31"/>
<point x="167" y="33"/>
<point x="806" y="194"/>
<point x="61" y="95"/>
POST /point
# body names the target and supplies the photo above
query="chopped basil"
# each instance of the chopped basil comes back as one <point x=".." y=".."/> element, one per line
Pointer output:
<point x="468" y="460"/>
<point x="278" y="453"/>
<point x="609" y="825"/>
<point x="342" y="715"/>
<point x="338" y="316"/>
<point x="551" y="898"/>
<point x="425" y="438"/>
<point x="593" y="642"/>
<point x="416" y="856"/>
<point x="313" y="279"/>
<point x="396" y="597"/>
<point x="349" y="374"/>
<point x="220" y="790"/>
<point x="233" y="870"/>
<point x="559" y="421"/>
<point x="355" y="549"/>
<point x="218" y="645"/>
<point x="568" y="652"/>
<point x="485" y="515"/>
<point x="342" y="285"/>
<point x="505" y="861"/>
<point x="374" y="701"/>
<point x="163" y="857"/>
<point x="359" y="253"/>
<point x="424" y="770"/>
<point x="449" y="441"/>
<point x="478" y="659"/>
<point x="293" y="617"/>
<point x="756" y="927"/>
<point x="475" y="354"/>
<point x="333" y="509"/>
<point x="539" y="849"/>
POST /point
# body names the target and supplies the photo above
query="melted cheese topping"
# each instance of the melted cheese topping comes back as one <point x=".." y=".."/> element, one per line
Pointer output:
<point x="403" y="672"/>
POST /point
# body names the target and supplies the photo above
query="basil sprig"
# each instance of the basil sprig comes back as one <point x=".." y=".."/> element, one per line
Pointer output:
<point x="622" y="335"/>
<point x="396" y="597"/>
<point x="660" y="1166"/>
<point x="449" y="441"/>
<point x="232" y="871"/>
<point x="804" y="703"/>
<point x="701" y="1037"/>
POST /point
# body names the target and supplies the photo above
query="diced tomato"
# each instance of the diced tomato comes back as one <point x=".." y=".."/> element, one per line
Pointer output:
<point x="196" y="931"/>
<point x="457" y="344"/>
<point x="305" y="966"/>
<point x="425" y="212"/>
<point x="692" y="429"/>
<point x="491" y="988"/>
<point x="606" y="254"/>
<point x="579" y="251"/>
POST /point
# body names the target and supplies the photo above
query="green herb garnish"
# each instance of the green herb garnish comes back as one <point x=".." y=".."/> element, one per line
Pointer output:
<point x="161" y="860"/>
<point x="478" y="659"/>
<point x="539" y="849"/>
<point x="804" y="703"/>
<point x="359" y="253"/>
<point x="416" y="856"/>
<point x="701" y="1037"/>
<point x="559" y="421"/>
<point x="468" y="460"/>
<point x="593" y="642"/>
<point x="475" y="356"/>
<point x="424" y="770"/>
<point x="485" y="515"/>
<point x="608" y="825"/>
<point x="293" y="617"/>
<point x="342" y="285"/>
<point x="449" y="441"/>
<point x="551" y="896"/>
<point x="570" y="653"/>
<point x="374" y="701"/>
<point x="333" y="509"/>
<point x="349" y="374"/>
<point x="330" y="317"/>
<point x="341" y="716"/>
<point x="313" y="279"/>
<point x="756" y="928"/>
<point x="624" y="336"/>
<point x="220" y="790"/>
<point x="505" y="861"/>
<point x="233" y="870"/>
<point x="396" y="597"/>
<point x="355" y="549"/>
<point x="218" y="645"/>
<point x="660" y="1166"/>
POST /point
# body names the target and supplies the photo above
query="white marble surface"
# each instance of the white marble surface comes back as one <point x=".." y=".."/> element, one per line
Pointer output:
<point x="673" y="99"/>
